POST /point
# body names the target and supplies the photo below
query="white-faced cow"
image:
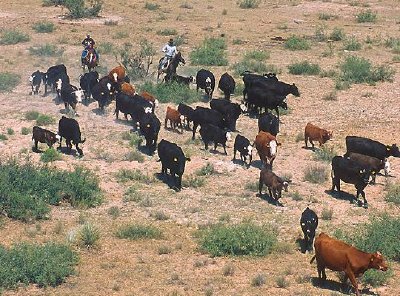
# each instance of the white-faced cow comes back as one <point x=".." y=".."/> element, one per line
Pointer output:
<point x="205" y="80"/>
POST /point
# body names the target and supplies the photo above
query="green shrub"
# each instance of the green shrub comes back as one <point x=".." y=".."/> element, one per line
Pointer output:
<point x="159" y="215"/>
<point x="228" y="269"/>
<point x="258" y="280"/>
<point x="325" y="154"/>
<point x="206" y="170"/>
<point x="296" y="196"/>
<point x="10" y="131"/>
<point x="26" y="189"/>
<point x="167" y="32"/>
<point x="394" y="44"/>
<point x="337" y="34"/>
<point x="366" y="17"/>
<point x="352" y="44"/>
<point x="237" y="41"/>
<point x="193" y="181"/>
<point x="46" y="265"/>
<point x="44" y="119"/>
<point x="81" y="8"/>
<point x="393" y="193"/>
<point x="46" y="50"/>
<point x="210" y="53"/>
<point x="171" y="92"/>
<point x="89" y="235"/>
<point x="105" y="48"/>
<point x="125" y="175"/>
<point x="304" y="68"/>
<point x="8" y="81"/>
<point x="43" y="27"/>
<point x="246" y="4"/>
<point x="376" y="278"/>
<point x="3" y="137"/>
<point x="327" y="16"/>
<point x="332" y="96"/>
<point x="297" y="43"/>
<point x="162" y="250"/>
<point x="151" y="6"/>
<point x="138" y="231"/>
<point x="31" y="115"/>
<point x="114" y="212"/>
<point x="9" y="37"/>
<point x="50" y="155"/>
<point x="316" y="174"/>
<point x="281" y="282"/>
<point x="134" y="155"/>
<point x="53" y="2"/>
<point x="237" y="240"/>
<point x="257" y="55"/>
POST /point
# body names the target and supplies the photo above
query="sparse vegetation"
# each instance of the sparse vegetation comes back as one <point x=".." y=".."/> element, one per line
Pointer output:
<point x="326" y="214"/>
<point x="159" y="215"/>
<point x="125" y="175"/>
<point x="246" y="4"/>
<point x="50" y="155"/>
<point x="327" y="16"/>
<point x="281" y="282"/>
<point x="258" y="280"/>
<point x="32" y="115"/>
<point x="114" y="212"/>
<point x="167" y="32"/>
<point x="162" y="250"/>
<point x="10" y="131"/>
<point x="228" y="269"/>
<point x="210" y="53"/>
<point x="151" y="6"/>
<point x="43" y="27"/>
<point x="10" y="37"/>
<point x="316" y="174"/>
<point x="337" y="34"/>
<point x="89" y="235"/>
<point x="46" y="265"/>
<point x="46" y="50"/>
<point x="332" y="96"/>
<point x="193" y="181"/>
<point x="44" y="119"/>
<point x="171" y="92"/>
<point x="105" y="48"/>
<point x="297" y="43"/>
<point x="138" y="231"/>
<point x="134" y="155"/>
<point x="325" y="153"/>
<point x="352" y="44"/>
<point x="206" y="170"/>
<point x="296" y="196"/>
<point x="237" y="240"/>
<point x="366" y="17"/>
<point x="8" y="81"/>
<point x="393" y="193"/>
<point x="304" y="68"/>
<point x="3" y="137"/>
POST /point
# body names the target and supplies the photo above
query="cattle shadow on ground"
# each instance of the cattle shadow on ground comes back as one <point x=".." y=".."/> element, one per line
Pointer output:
<point x="339" y="287"/>
<point x="167" y="179"/>
<point x="269" y="199"/>
<point x="302" y="245"/>
<point x="257" y="164"/>
<point x="309" y="148"/>
<point x="174" y="130"/>
<point x="67" y="151"/>
<point x="341" y="196"/>
<point x="238" y="161"/>
<point x="99" y="112"/>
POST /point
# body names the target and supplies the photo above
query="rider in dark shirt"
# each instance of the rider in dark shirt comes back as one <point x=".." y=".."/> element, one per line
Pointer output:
<point x="88" y="43"/>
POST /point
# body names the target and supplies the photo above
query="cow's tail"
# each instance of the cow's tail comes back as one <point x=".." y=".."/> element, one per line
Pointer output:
<point x="312" y="259"/>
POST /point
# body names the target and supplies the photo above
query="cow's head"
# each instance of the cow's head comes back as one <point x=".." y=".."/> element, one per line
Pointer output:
<point x="294" y="90"/>
<point x="283" y="105"/>
<point x="378" y="262"/>
<point x="386" y="166"/>
<point x="208" y="88"/>
<point x="79" y="94"/>
<point x="285" y="186"/>
<point x="243" y="108"/>
<point x="393" y="150"/>
<point x="365" y="174"/>
<point x="58" y="84"/>
<point x="326" y="135"/>
<point x="272" y="145"/>
<point x="115" y="76"/>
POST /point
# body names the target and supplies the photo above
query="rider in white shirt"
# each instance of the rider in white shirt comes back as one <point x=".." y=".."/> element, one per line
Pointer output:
<point x="170" y="51"/>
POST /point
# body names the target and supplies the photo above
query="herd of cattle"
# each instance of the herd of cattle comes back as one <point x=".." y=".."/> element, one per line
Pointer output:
<point x="364" y="157"/>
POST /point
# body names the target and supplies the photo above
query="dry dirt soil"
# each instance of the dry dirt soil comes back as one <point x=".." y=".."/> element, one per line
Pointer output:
<point x="122" y="267"/>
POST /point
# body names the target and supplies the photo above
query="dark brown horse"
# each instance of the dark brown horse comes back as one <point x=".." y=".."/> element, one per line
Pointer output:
<point x="90" y="60"/>
<point x="170" y="69"/>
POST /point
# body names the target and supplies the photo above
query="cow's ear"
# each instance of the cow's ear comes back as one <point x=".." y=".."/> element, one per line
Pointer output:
<point x="175" y="159"/>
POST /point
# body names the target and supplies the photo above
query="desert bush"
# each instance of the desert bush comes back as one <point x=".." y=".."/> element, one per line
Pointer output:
<point x="237" y="240"/>
<point x="316" y="174"/>
<point x="8" y="81"/>
<point x="82" y="9"/>
<point x="44" y="119"/>
<point x="296" y="196"/>
<point x="10" y="131"/>
<point x="53" y="2"/>
<point x="171" y="92"/>
<point x="304" y="68"/>
<point x="162" y="250"/>
<point x="297" y="43"/>
<point x="114" y="212"/>
<point x="50" y="155"/>
<point x="337" y="34"/>
<point x="352" y="44"/>
<point x="138" y="231"/>
<point x="27" y="189"/>
<point x="46" y="265"/>
<point x="206" y="170"/>
<point x="228" y="269"/>
<point x="134" y="155"/>
<point x="281" y="282"/>
<point x="46" y="50"/>
<point x="325" y="153"/>
<point x="327" y="16"/>
<point x="246" y="4"/>
<point x="43" y="27"/>
<point x="237" y="41"/>
<point x="258" y="280"/>
<point x="210" y="53"/>
<point x="393" y="43"/>
<point x="105" y="48"/>
<point x="3" y="137"/>
<point x="9" y="37"/>
<point x="320" y="33"/>
<point x="167" y="32"/>
<point x="376" y="278"/>
<point x="151" y="6"/>
<point x="366" y="17"/>
<point x="89" y="235"/>
<point x="257" y="55"/>
<point x="159" y="215"/>
<point x="31" y="115"/>
<point x="110" y="23"/>
<point x="393" y="193"/>
<point x="326" y="214"/>
<point x="121" y="35"/>
<point x="331" y="96"/>
<point x="193" y="181"/>
<point x="125" y="175"/>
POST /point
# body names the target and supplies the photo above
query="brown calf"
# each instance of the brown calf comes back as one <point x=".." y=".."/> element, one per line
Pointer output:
<point x="274" y="183"/>
<point x="174" y="117"/>
<point x="314" y="133"/>
<point x="128" y="89"/>
<point x="266" y="146"/>
<point x="370" y="162"/>
<point x="117" y="74"/>
<point x="43" y="136"/>
<point x="339" y="256"/>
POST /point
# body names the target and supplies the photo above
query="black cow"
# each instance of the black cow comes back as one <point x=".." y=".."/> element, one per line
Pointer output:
<point x="203" y="115"/>
<point x="136" y="106"/>
<point x="69" y="129"/>
<point x="372" y="163"/>
<point x="36" y="79"/>
<point x="268" y="122"/>
<point x="87" y="81"/>
<point x="227" y="85"/>
<point x="309" y="223"/>
<point x="179" y="79"/>
<point x="259" y="98"/>
<point x="71" y="96"/>
<point x="230" y="111"/>
<point x="43" y="136"/>
<point x="55" y="74"/>
<point x="250" y="78"/>
<point x="211" y="133"/>
<point x="205" y="80"/>
<point x="172" y="158"/>
<point x="149" y="128"/>
<point x="349" y="171"/>
<point x="187" y="112"/>
<point x="370" y="147"/>
<point x="103" y="91"/>
<point x="242" y="144"/>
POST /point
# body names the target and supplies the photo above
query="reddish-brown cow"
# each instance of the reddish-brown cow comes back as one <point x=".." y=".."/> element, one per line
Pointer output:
<point x="128" y="89"/>
<point x="314" y="133"/>
<point x="339" y="256"/>
<point x="174" y="117"/>
<point x="266" y="146"/>
<point x="274" y="183"/>
<point x="149" y="97"/>
<point x="117" y="74"/>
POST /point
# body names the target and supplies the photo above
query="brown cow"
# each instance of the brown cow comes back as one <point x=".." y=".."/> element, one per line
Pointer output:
<point x="339" y="256"/>
<point x="370" y="162"/>
<point x="274" y="183"/>
<point x="149" y="97"/>
<point x="128" y="89"/>
<point x="266" y="146"/>
<point x="117" y="74"/>
<point x="314" y="133"/>
<point x="43" y="136"/>
<point x="174" y="117"/>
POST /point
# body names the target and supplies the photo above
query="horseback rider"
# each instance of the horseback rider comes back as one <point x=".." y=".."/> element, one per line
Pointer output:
<point x="88" y="43"/>
<point x="170" y="51"/>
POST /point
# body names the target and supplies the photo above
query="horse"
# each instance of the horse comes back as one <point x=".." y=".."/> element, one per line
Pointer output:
<point x="170" y="69"/>
<point x="90" y="59"/>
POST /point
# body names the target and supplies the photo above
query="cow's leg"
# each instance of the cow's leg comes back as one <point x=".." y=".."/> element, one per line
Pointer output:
<point x="365" y="200"/>
<point x="312" y="144"/>
<point x="373" y="179"/>
<point x="195" y="124"/>
<point x="224" y="145"/>
<point x="306" y="141"/>
<point x="36" y="145"/>
<point x="260" y="185"/>
<point x="165" y="122"/>
<point x="270" y="192"/>
<point x="79" y="150"/>
<point x="234" y="155"/>
<point x="353" y="279"/>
